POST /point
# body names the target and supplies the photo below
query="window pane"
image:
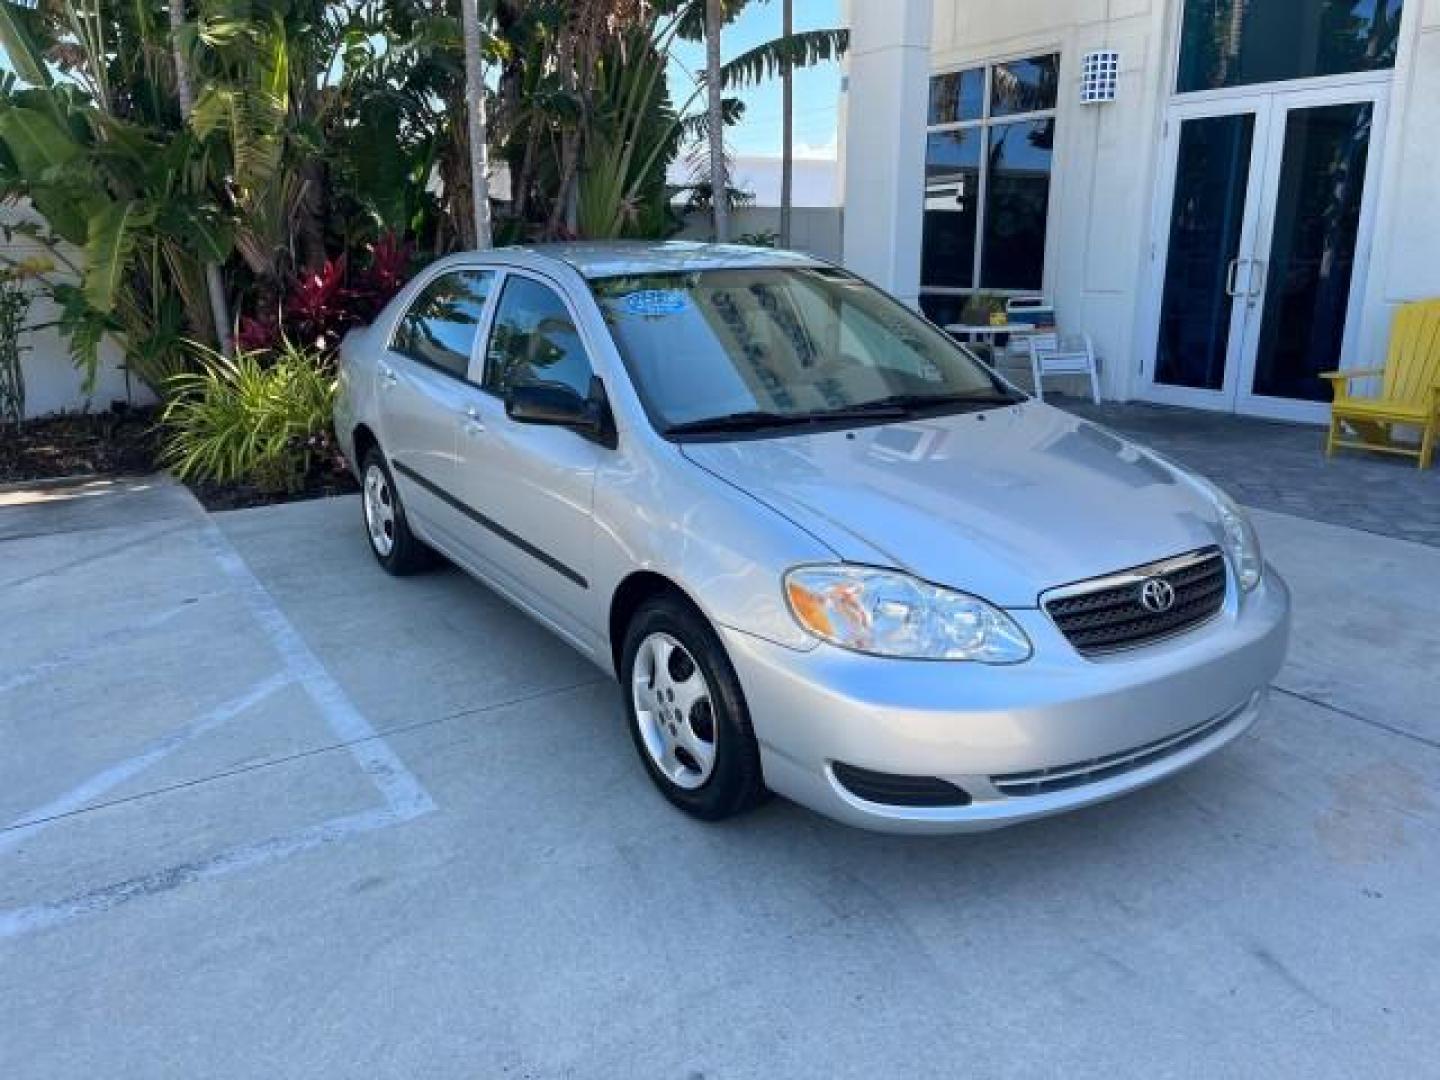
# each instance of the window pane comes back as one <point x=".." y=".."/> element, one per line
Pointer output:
<point x="1017" y="202"/>
<point x="1239" y="42"/>
<point x="943" y="310"/>
<point x="713" y="342"/>
<point x="440" y="327"/>
<point x="1023" y="86"/>
<point x="1206" y="217"/>
<point x="534" y="340"/>
<point x="957" y="96"/>
<point x="952" y="202"/>
<point x="1312" y="250"/>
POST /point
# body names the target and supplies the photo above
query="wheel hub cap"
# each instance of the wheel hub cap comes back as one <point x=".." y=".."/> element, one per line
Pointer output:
<point x="675" y="711"/>
<point x="379" y="511"/>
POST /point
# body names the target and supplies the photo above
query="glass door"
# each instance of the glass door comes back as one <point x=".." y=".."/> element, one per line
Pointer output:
<point x="1211" y="224"/>
<point x="1302" y="278"/>
<point x="1257" y="268"/>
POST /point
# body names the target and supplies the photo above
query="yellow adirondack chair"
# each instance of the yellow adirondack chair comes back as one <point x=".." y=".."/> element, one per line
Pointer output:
<point x="1409" y="393"/>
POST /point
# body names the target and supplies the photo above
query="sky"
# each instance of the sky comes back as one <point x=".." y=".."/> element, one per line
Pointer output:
<point x="817" y="89"/>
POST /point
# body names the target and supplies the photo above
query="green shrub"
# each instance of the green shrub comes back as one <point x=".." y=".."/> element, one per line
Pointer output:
<point x="253" y="419"/>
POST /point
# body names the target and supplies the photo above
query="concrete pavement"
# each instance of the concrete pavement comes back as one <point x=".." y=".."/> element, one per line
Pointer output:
<point x="274" y="813"/>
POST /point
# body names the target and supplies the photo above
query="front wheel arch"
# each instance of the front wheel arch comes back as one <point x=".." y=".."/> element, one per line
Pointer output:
<point x="630" y="596"/>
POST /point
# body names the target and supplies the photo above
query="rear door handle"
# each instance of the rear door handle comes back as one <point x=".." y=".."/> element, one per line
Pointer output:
<point x="387" y="374"/>
<point x="473" y="424"/>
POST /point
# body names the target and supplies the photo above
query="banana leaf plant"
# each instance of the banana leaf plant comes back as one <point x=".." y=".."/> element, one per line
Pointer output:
<point x="128" y="210"/>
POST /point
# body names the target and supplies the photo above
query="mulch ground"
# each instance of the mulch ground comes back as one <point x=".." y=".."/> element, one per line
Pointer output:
<point x="105" y="444"/>
<point x="128" y="444"/>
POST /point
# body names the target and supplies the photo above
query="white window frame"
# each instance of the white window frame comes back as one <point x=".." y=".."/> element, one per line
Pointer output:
<point x="984" y="123"/>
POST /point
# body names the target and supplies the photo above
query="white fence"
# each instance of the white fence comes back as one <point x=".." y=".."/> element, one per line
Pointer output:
<point x="815" y="230"/>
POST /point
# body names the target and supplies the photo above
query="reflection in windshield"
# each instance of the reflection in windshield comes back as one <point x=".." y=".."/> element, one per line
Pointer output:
<point x="782" y="343"/>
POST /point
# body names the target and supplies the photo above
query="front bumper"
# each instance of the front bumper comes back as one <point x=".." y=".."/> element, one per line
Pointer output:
<point x="1109" y="724"/>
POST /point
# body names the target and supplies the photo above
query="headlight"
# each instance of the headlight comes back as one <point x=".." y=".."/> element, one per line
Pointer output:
<point x="885" y="613"/>
<point x="1241" y="543"/>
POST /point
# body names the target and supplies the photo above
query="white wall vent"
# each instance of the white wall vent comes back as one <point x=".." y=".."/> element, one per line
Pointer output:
<point x="1099" y="76"/>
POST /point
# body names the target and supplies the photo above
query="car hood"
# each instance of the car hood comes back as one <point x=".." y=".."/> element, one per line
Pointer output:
<point x="1003" y="504"/>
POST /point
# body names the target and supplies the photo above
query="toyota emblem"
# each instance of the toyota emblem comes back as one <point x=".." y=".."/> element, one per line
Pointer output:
<point x="1157" y="595"/>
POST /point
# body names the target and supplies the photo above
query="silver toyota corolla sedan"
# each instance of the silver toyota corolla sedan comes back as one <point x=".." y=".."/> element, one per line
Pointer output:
<point x="825" y="550"/>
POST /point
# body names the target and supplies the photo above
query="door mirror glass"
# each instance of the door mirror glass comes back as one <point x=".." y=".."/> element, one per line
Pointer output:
<point x="554" y="405"/>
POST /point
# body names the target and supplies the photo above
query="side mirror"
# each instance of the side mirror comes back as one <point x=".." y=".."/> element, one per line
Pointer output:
<point x="554" y="405"/>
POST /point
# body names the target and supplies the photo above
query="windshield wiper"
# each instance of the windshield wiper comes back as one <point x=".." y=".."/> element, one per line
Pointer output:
<point x="909" y="403"/>
<point x="751" y="420"/>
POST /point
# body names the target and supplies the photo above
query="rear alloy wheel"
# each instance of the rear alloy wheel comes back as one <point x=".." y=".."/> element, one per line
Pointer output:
<point x="396" y="548"/>
<point x="687" y="713"/>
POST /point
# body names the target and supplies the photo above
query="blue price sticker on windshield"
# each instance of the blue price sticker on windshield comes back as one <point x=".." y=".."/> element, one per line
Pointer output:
<point x="656" y="302"/>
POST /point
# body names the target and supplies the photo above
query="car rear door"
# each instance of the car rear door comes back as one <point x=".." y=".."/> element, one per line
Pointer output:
<point x="422" y="394"/>
<point x="532" y="486"/>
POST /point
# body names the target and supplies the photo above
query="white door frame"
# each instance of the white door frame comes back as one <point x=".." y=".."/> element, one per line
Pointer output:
<point x="1271" y="105"/>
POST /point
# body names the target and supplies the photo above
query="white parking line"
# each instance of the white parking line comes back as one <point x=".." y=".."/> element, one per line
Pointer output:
<point x="401" y="790"/>
<point x="27" y="825"/>
<point x="405" y="798"/>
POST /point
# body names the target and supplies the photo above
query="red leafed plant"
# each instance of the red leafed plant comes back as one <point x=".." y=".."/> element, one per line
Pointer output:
<point x="323" y="305"/>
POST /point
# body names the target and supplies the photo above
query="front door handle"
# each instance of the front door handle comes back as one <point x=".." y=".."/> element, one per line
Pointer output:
<point x="473" y="424"/>
<point x="388" y="376"/>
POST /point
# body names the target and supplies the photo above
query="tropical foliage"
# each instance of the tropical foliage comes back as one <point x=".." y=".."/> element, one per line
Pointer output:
<point x="14" y="310"/>
<point x="257" y="417"/>
<point x="217" y="173"/>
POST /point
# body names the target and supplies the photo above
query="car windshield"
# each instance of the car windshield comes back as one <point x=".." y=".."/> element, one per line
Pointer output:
<point x="772" y="348"/>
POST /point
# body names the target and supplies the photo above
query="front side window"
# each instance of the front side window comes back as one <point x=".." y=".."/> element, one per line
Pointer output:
<point x="988" y="159"/>
<point x="440" y="328"/>
<point x="534" y="340"/>
<point x="1243" y="42"/>
<point x="770" y="347"/>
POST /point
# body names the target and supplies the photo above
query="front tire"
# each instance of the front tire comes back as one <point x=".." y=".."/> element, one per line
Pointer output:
<point x="687" y="712"/>
<point x="394" y="546"/>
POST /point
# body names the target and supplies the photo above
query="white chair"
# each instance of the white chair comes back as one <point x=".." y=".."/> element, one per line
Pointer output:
<point x="1052" y="353"/>
<point x="1026" y="311"/>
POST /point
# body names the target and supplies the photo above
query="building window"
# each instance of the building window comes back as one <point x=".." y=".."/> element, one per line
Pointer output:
<point x="988" y="156"/>
<point x="1241" y="42"/>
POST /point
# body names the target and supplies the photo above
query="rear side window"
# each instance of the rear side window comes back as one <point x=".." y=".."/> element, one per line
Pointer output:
<point x="534" y="340"/>
<point x="440" y="328"/>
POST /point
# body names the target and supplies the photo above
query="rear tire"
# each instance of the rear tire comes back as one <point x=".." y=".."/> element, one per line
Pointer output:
<point x="394" y="546"/>
<point x="687" y="712"/>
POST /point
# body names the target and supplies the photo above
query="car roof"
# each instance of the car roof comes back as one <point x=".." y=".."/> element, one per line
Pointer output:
<point x="614" y="258"/>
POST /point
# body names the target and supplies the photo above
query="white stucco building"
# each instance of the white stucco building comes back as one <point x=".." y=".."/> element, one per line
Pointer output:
<point x="1260" y="195"/>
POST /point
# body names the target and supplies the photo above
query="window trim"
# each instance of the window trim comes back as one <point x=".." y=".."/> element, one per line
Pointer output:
<point x="479" y="363"/>
<point x="985" y="122"/>
<point x="482" y="326"/>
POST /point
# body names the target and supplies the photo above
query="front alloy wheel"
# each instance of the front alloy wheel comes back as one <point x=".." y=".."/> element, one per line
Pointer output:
<point x="687" y="711"/>
<point x="674" y="711"/>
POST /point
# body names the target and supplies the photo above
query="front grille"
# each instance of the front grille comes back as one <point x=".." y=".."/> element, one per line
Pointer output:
<point x="1077" y="774"/>
<point x="889" y="789"/>
<point x="1107" y="614"/>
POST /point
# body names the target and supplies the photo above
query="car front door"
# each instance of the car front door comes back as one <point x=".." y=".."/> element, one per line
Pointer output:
<point x="533" y="486"/>
<point x="423" y="398"/>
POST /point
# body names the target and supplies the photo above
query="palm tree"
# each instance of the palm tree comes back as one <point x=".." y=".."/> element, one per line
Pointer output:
<point x="719" y="203"/>
<point x="787" y="125"/>
<point x="185" y="92"/>
<point x="782" y="56"/>
<point x="475" y="114"/>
